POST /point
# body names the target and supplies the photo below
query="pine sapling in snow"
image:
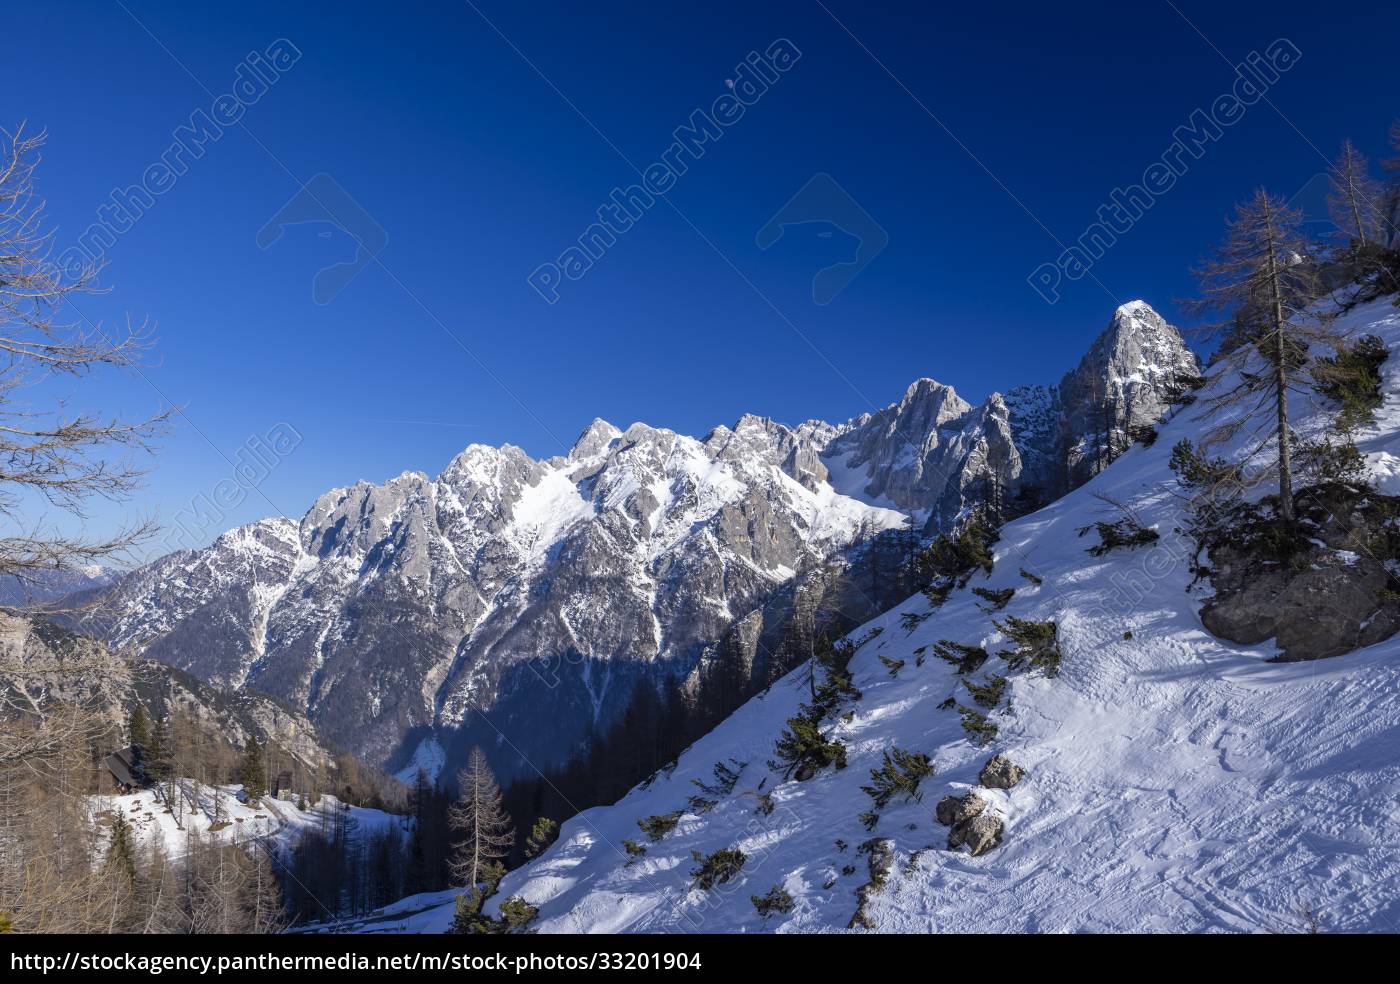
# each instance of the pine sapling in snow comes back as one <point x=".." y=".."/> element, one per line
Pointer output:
<point x="718" y="868"/>
<point x="900" y="775"/>
<point x="658" y="826"/>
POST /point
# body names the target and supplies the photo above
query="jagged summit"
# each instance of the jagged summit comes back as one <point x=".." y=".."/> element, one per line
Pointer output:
<point x="545" y="590"/>
<point x="594" y="439"/>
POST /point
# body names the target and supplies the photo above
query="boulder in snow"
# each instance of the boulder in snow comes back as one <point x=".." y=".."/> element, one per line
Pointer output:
<point x="953" y="810"/>
<point x="1000" y="773"/>
<point x="1333" y="594"/>
<point x="980" y="834"/>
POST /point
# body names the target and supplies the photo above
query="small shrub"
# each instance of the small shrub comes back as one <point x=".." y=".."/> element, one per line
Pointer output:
<point x="1033" y="579"/>
<point x="868" y="820"/>
<point x="912" y="620"/>
<point x="544" y="833"/>
<point x="634" y="850"/>
<point x="1144" y="434"/>
<point x="725" y="779"/>
<point x="1126" y="532"/>
<point x="1352" y="379"/>
<point x="516" y="913"/>
<point x="938" y="592"/>
<point x="893" y="665"/>
<point x="978" y="728"/>
<point x="987" y="695"/>
<point x="718" y="868"/>
<point x="1037" y="645"/>
<point x="968" y="659"/>
<point x="997" y="599"/>
<point x="1323" y="461"/>
<point x="658" y="826"/>
<point x="778" y="901"/>
<point x="804" y="751"/>
<point x="900" y="774"/>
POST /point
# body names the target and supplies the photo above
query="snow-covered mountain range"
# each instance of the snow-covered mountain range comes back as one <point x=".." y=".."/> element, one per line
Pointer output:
<point x="516" y="602"/>
<point x="1163" y="779"/>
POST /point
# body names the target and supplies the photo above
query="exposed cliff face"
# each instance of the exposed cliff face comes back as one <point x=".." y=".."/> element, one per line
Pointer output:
<point x="517" y="603"/>
<point x="1126" y="381"/>
<point x="41" y="663"/>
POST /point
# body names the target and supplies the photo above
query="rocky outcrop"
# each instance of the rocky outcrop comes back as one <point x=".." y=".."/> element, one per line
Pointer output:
<point x="1000" y="773"/>
<point x="1126" y="381"/>
<point x="933" y="453"/>
<point x="979" y="834"/>
<point x="1331" y="591"/>
<point x="953" y="810"/>
<point x="879" y="857"/>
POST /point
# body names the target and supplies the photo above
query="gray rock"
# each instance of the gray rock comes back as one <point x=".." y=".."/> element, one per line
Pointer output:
<point x="979" y="834"/>
<point x="1332" y="598"/>
<point x="1000" y="773"/>
<point x="1127" y="380"/>
<point x="953" y="810"/>
<point x="879" y="852"/>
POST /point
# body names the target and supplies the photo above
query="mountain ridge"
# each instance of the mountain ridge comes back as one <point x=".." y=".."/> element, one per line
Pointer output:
<point x="544" y="591"/>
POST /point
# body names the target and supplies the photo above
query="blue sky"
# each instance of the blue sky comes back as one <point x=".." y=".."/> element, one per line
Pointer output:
<point x="482" y="140"/>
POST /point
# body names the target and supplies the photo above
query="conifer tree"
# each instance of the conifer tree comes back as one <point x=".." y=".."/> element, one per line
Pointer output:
<point x="544" y="833"/>
<point x="157" y="760"/>
<point x="484" y="829"/>
<point x="121" y="851"/>
<point x="253" y="774"/>
<point x="1262" y="279"/>
<point x="1354" y="200"/>
<point x="138" y="727"/>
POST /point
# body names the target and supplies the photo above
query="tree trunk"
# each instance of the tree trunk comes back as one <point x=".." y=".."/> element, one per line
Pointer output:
<point x="1285" y="463"/>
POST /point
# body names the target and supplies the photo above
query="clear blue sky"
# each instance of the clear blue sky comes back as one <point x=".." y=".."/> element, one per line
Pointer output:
<point x="478" y="170"/>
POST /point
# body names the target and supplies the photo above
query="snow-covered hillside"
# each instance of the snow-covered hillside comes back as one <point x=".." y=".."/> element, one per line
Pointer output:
<point x="1174" y="781"/>
<point x="217" y="814"/>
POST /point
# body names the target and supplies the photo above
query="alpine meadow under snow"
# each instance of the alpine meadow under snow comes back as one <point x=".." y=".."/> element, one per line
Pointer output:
<point x="1173" y="781"/>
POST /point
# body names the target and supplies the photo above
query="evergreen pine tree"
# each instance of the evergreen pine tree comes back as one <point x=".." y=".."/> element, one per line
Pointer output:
<point x="158" y="761"/>
<point x="121" y="851"/>
<point x="138" y="727"/>
<point x="544" y="833"/>
<point x="252" y="772"/>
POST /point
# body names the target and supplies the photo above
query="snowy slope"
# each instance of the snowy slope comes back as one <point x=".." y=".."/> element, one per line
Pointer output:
<point x="276" y="822"/>
<point x="1176" y="782"/>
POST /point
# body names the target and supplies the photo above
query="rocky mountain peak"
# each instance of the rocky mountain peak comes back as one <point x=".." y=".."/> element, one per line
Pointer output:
<point x="594" y="440"/>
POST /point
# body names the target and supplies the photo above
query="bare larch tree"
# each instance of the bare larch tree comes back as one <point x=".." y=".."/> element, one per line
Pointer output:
<point x="1392" y="190"/>
<point x="47" y="454"/>
<point x="1354" y="199"/>
<point x="479" y="820"/>
<point x="1263" y="279"/>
